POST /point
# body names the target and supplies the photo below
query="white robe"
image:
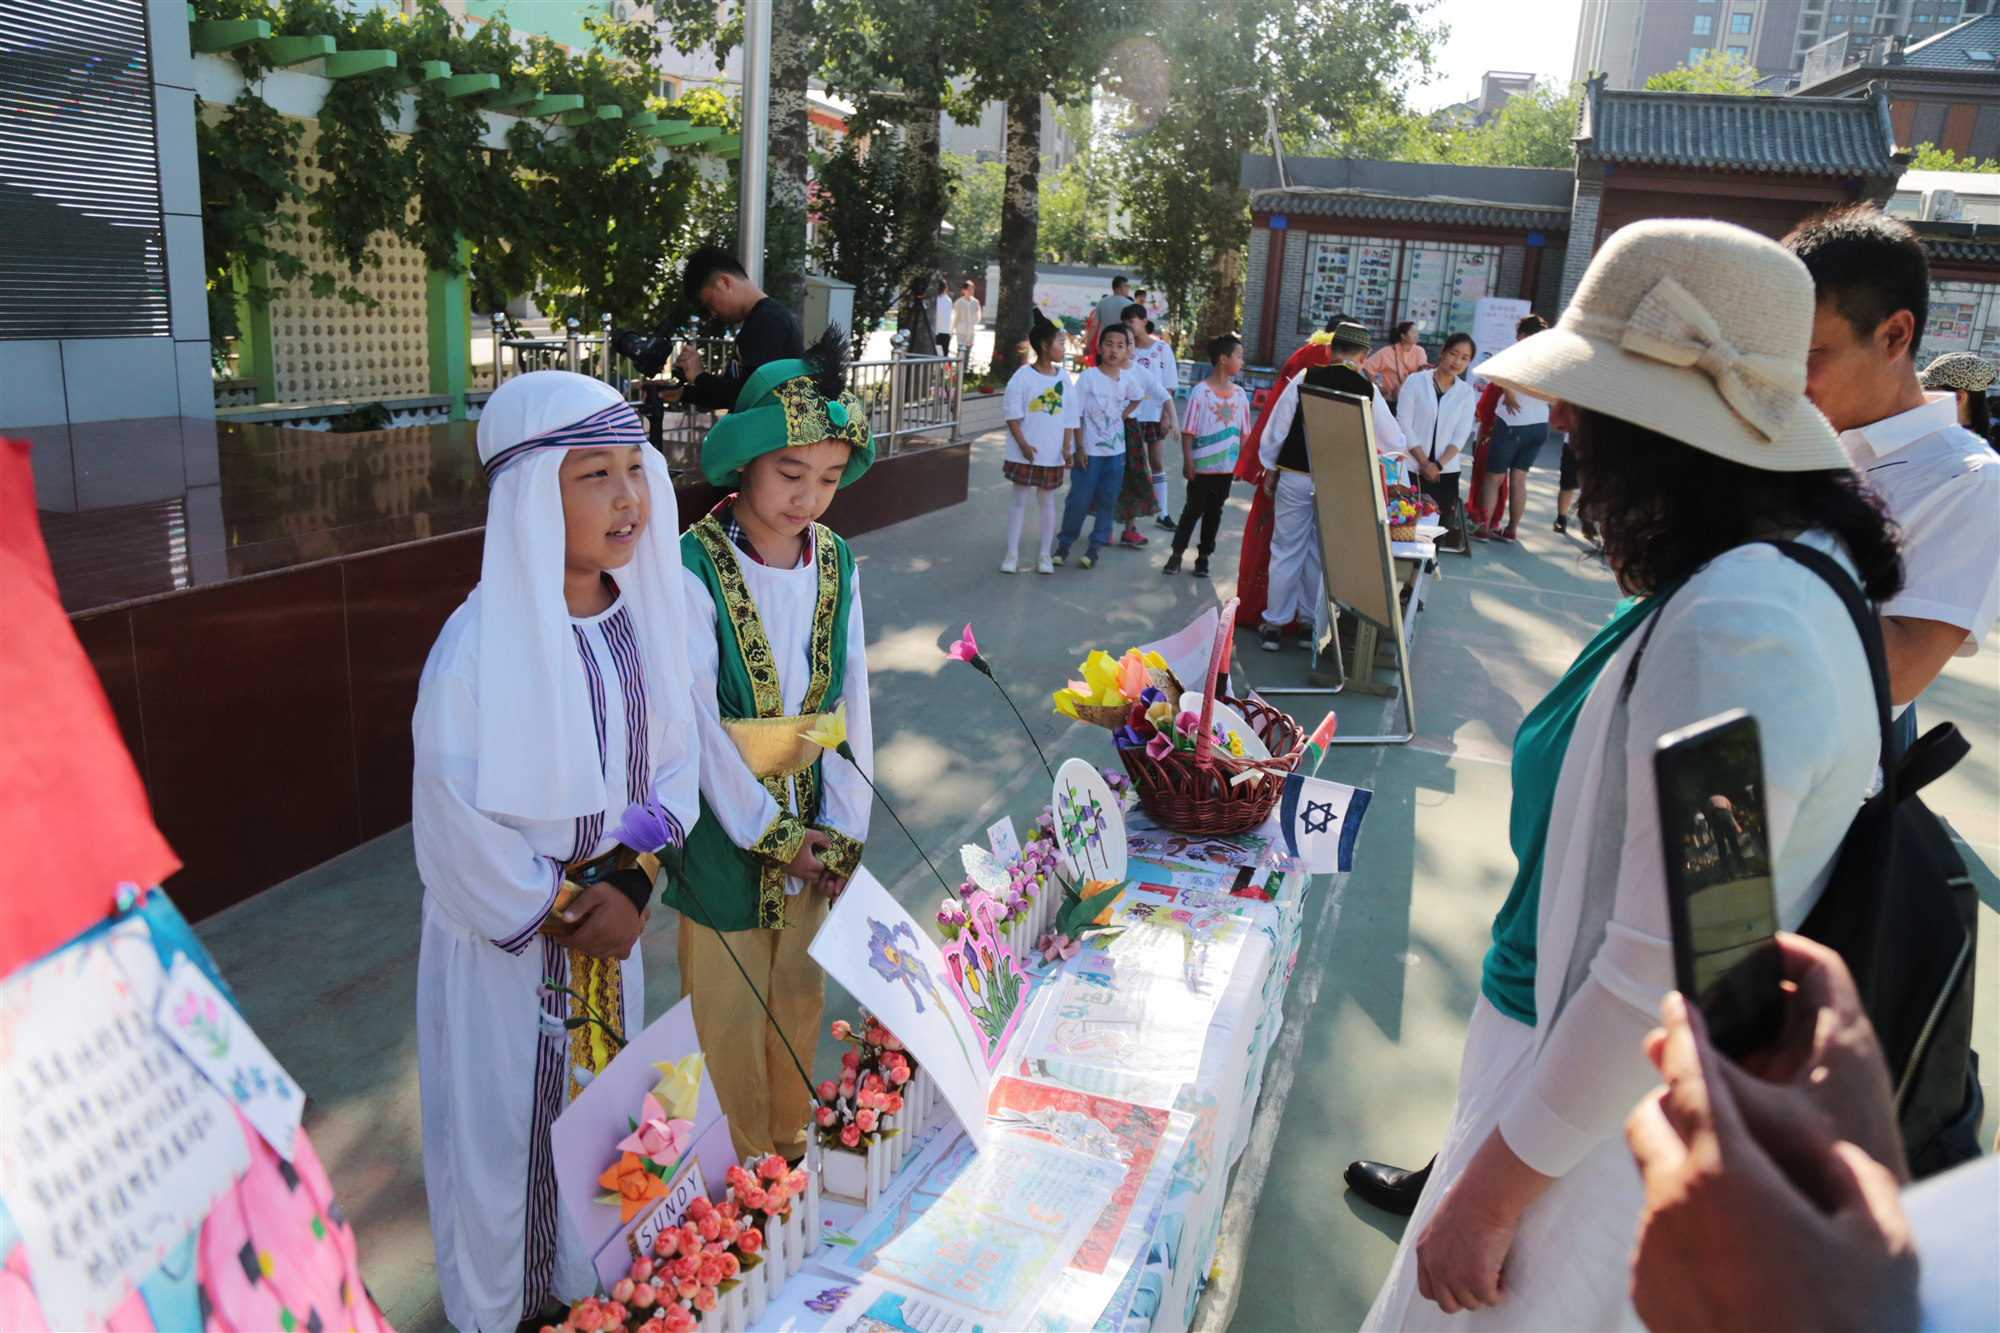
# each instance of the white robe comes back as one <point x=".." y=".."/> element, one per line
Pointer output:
<point x="786" y="601"/>
<point x="488" y="882"/>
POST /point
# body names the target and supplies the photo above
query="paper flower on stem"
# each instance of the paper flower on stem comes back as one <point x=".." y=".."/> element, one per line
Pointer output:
<point x="829" y="732"/>
<point x="632" y="1186"/>
<point x="967" y="650"/>
<point x="645" y="827"/>
<point x="1159" y="747"/>
<point x="1128" y="738"/>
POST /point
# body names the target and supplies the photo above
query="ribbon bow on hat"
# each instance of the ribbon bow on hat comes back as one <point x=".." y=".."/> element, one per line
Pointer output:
<point x="1673" y="326"/>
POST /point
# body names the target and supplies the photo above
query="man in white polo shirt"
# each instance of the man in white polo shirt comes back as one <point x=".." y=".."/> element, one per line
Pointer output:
<point x="1939" y="481"/>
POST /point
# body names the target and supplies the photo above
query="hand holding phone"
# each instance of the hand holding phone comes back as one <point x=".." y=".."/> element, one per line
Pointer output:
<point x="1715" y="838"/>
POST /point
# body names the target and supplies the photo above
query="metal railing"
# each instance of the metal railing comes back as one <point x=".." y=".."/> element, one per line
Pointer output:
<point x="908" y="398"/>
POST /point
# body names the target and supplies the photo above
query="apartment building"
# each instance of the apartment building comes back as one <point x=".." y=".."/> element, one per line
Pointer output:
<point x="1629" y="41"/>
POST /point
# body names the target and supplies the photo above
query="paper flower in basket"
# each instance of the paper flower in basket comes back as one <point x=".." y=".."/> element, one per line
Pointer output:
<point x="829" y="732"/>
<point x="632" y="1186"/>
<point x="1160" y="746"/>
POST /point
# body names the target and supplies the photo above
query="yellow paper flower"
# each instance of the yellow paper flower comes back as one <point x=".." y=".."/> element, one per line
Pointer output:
<point x="1066" y="702"/>
<point x="1235" y="745"/>
<point x="1100" y="673"/>
<point x="830" y="729"/>
<point x="1154" y="660"/>
<point x="1161" y="714"/>
<point x="680" y="1084"/>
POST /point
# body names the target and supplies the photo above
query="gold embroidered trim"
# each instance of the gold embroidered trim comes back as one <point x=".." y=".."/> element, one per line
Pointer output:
<point x="599" y="984"/>
<point x="821" y="652"/>
<point x="741" y="609"/>
<point x="843" y="856"/>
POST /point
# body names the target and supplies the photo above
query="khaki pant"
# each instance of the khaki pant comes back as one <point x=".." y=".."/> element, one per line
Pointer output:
<point x="755" y="1079"/>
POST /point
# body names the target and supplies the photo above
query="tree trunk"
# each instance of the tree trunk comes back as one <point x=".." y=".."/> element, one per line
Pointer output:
<point x="922" y="148"/>
<point x="790" y="153"/>
<point x="1222" y="308"/>
<point x="1020" y="219"/>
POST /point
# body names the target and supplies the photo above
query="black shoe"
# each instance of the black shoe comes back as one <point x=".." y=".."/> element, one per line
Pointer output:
<point x="1201" y="567"/>
<point x="1271" y="641"/>
<point x="1390" y="1188"/>
<point x="1561" y="524"/>
<point x="1173" y="565"/>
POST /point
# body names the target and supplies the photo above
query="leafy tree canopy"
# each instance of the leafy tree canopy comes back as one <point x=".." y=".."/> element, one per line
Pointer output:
<point x="1715" y="72"/>
<point x="1929" y="157"/>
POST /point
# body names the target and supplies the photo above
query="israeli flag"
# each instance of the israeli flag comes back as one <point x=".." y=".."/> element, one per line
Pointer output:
<point x="1319" y="821"/>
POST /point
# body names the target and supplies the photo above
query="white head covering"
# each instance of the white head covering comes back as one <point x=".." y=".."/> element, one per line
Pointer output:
<point x="537" y="739"/>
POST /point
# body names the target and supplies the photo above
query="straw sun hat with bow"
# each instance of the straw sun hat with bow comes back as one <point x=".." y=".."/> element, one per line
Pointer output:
<point x="1692" y="328"/>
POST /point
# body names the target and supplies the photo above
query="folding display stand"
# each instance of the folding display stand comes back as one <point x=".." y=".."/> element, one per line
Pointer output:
<point x="1357" y="559"/>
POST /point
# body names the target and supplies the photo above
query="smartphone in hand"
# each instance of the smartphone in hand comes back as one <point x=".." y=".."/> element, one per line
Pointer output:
<point x="1716" y="840"/>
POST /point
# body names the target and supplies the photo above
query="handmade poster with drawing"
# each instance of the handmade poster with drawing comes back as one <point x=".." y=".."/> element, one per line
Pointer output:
<point x="1149" y="840"/>
<point x="1142" y="1002"/>
<point x="984" y="1232"/>
<point x="986" y="981"/>
<point x="1103" y="1127"/>
<point x="1089" y="826"/>
<point x="870" y="945"/>
<point x="1152" y="873"/>
<point x="113" y="1146"/>
<point x="199" y="1019"/>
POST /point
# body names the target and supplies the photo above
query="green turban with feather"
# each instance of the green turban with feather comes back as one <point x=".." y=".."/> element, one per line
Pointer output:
<point x="787" y="403"/>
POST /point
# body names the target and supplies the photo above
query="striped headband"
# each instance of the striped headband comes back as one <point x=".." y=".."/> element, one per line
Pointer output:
<point x="614" y="427"/>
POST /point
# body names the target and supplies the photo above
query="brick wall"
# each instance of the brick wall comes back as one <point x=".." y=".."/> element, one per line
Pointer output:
<point x="1253" y="295"/>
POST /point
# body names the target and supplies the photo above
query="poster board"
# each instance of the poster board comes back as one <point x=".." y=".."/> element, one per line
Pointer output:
<point x="1493" y="321"/>
<point x="1347" y="498"/>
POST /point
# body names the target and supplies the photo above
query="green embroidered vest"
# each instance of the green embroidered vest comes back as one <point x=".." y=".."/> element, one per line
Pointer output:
<point x="723" y="886"/>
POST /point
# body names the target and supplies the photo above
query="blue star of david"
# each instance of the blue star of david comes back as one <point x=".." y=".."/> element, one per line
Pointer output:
<point x="1318" y="816"/>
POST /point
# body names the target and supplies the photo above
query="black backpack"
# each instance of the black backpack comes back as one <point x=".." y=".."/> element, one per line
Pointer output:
<point x="1902" y="912"/>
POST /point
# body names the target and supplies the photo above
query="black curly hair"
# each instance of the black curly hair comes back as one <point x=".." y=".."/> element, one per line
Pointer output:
<point x="1665" y="508"/>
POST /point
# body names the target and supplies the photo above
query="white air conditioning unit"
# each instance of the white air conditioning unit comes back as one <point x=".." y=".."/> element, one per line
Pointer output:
<point x="1944" y="207"/>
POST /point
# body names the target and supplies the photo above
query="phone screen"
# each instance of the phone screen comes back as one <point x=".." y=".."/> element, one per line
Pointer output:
<point x="1716" y="841"/>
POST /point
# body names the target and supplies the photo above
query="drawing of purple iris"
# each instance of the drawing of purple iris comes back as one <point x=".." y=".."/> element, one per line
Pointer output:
<point x="829" y="1300"/>
<point x="892" y="962"/>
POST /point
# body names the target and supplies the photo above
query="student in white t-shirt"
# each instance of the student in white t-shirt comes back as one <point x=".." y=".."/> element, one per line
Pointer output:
<point x="1107" y="394"/>
<point x="1217" y="415"/>
<point x="1041" y="428"/>
<point x="965" y="316"/>
<point x="941" y="317"/>
<point x="1157" y="415"/>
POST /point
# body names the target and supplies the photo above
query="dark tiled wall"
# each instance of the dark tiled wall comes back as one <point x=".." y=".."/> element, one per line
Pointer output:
<point x="270" y="716"/>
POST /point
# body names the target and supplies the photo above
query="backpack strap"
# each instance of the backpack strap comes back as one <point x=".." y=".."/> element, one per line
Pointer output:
<point x="1869" y="627"/>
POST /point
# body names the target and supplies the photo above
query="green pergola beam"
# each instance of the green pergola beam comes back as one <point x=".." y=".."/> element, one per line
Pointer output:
<point x="728" y="145"/>
<point x="640" y="120"/>
<point x="512" y="97"/>
<point x="660" y="129"/>
<point x="347" y="64"/>
<point x="429" y="71"/>
<point x="553" y="104"/>
<point x="588" y="114"/>
<point x="692" y="135"/>
<point x="217" y="35"/>
<point x="282" y="51"/>
<point x="471" y="85"/>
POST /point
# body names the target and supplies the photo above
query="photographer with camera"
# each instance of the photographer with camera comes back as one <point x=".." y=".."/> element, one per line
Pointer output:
<point x="765" y="331"/>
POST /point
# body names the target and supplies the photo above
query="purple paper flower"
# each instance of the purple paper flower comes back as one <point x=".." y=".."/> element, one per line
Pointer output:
<point x="1151" y="695"/>
<point x="1128" y="738"/>
<point x="645" y="827"/>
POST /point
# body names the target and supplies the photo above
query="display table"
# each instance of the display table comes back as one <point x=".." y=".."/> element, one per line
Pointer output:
<point x="1161" y="1288"/>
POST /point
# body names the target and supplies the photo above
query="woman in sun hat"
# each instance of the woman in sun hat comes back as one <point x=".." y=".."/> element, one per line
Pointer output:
<point x="1679" y="370"/>
<point x="1969" y="377"/>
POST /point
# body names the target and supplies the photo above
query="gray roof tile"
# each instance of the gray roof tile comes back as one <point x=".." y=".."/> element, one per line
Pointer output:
<point x="1368" y="204"/>
<point x="1819" y="136"/>
<point x="1947" y="49"/>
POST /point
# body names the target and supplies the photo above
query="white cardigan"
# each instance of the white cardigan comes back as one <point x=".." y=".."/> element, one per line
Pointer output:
<point x="1755" y="630"/>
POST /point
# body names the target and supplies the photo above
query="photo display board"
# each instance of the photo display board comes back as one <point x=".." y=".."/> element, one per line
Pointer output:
<point x="1352" y="275"/>
<point x="1380" y="281"/>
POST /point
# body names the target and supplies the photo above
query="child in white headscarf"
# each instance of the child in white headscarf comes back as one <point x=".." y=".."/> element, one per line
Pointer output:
<point x="555" y="700"/>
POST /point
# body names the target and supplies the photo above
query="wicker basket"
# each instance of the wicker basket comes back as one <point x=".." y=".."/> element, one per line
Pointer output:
<point x="1192" y="793"/>
<point x="1401" y="532"/>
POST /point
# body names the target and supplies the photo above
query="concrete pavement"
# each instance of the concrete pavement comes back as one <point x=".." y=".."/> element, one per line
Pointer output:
<point x="325" y="963"/>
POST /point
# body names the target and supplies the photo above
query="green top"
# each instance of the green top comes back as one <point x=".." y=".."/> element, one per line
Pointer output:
<point x="1508" y="977"/>
<point x="721" y="885"/>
